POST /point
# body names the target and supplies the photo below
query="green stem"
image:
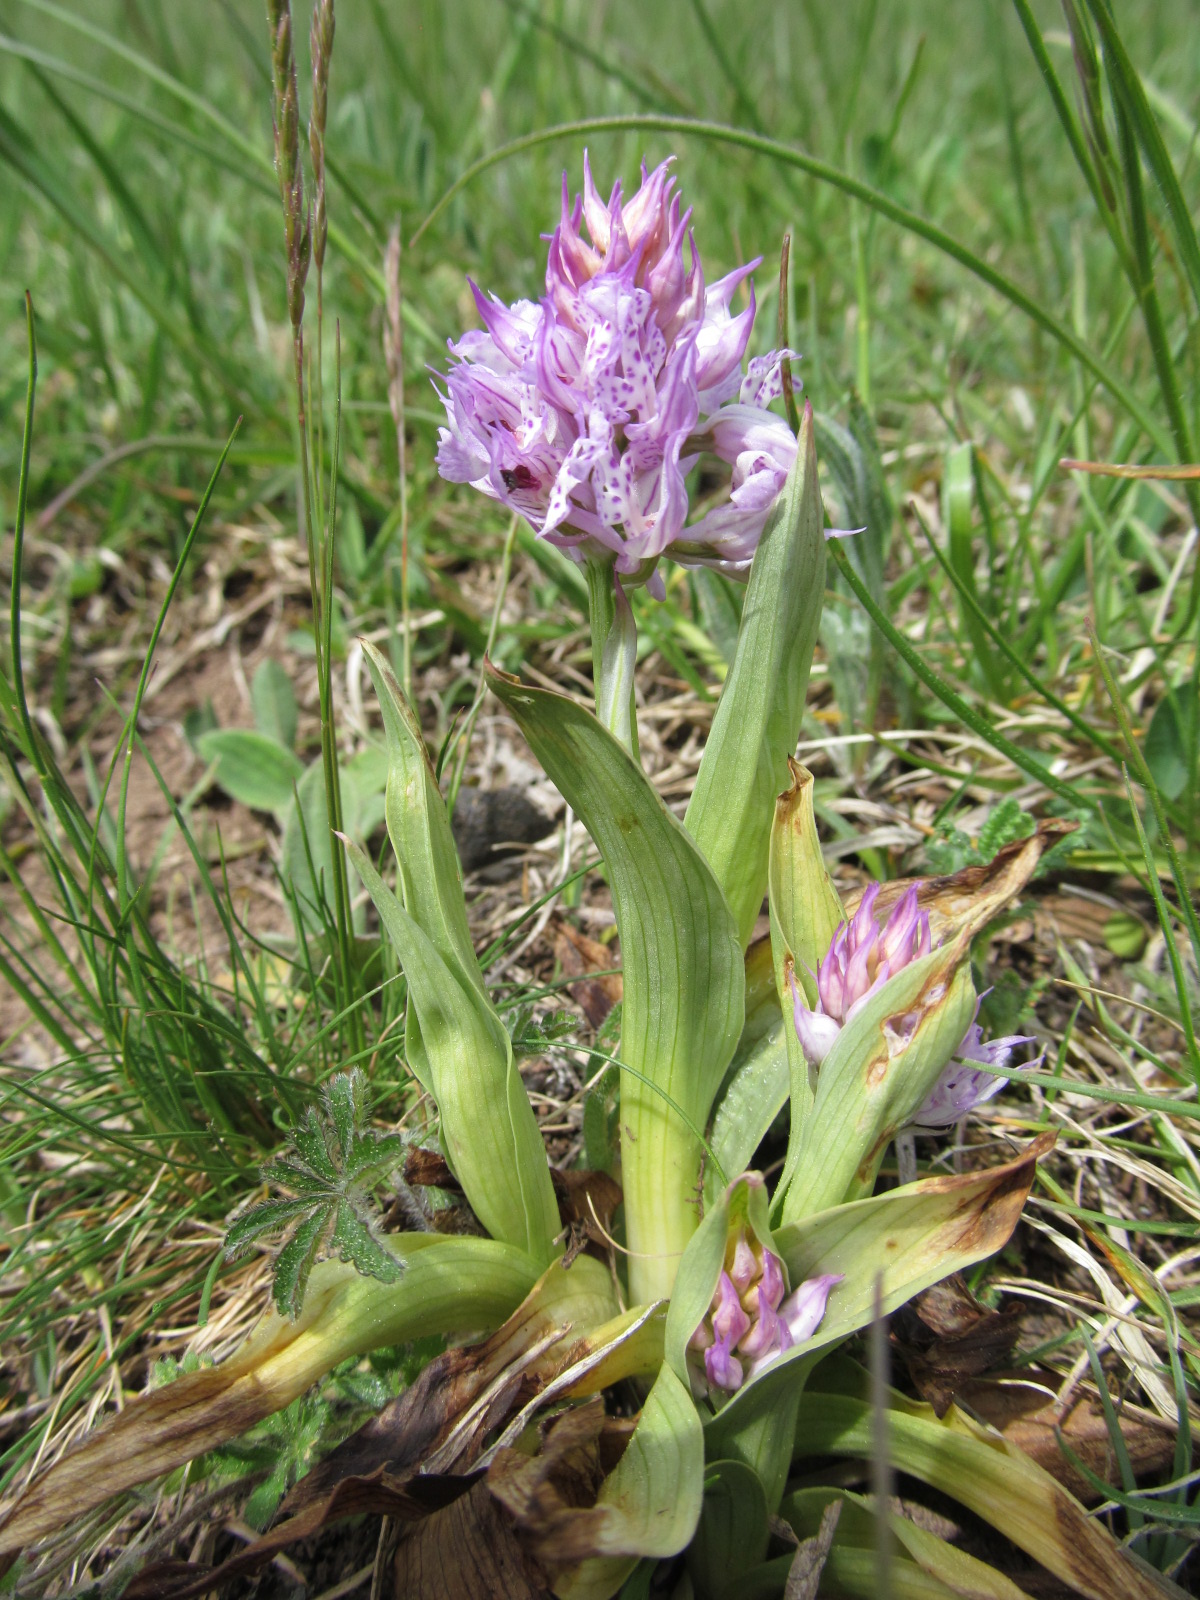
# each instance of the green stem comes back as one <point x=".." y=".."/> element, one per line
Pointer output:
<point x="614" y="652"/>
<point x="660" y="1158"/>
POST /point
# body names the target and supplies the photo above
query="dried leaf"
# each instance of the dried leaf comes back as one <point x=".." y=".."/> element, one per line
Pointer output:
<point x="545" y="1492"/>
<point x="1028" y="1417"/>
<point x="469" y="1549"/>
<point x="966" y="901"/>
<point x="417" y="1456"/>
<point x="945" y="1337"/>
<point x="804" y="1576"/>
<point x="450" y="1284"/>
<point x="579" y="956"/>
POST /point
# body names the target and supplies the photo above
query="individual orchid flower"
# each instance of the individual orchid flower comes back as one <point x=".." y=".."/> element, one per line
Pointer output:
<point x="962" y="1087"/>
<point x="585" y="412"/>
<point x="752" y="1319"/>
<point x="862" y="956"/>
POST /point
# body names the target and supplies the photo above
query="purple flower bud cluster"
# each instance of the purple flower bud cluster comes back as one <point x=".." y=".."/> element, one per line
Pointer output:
<point x="585" y="412"/>
<point x="862" y="956"/>
<point x="751" y="1320"/>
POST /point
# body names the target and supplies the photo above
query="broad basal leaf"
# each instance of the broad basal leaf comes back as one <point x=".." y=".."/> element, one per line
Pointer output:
<point x="649" y="1506"/>
<point x="463" y="1055"/>
<point x="683" y="971"/>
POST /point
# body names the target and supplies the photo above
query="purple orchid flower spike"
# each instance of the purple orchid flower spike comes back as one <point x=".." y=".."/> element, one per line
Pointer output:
<point x="585" y="412"/>
<point x="862" y="956"/>
<point x="752" y="1318"/>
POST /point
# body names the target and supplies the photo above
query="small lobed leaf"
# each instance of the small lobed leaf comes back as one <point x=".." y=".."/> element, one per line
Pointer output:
<point x="353" y="1241"/>
<point x="288" y="1173"/>
<point x="373" y="1158"/>
<point x="313" y="1143"/>
<point x="267" y="1217"/>
<point x="295" y="1261"/>
<point x="345" y="1097"/>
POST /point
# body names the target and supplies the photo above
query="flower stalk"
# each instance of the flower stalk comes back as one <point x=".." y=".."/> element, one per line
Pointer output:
<point x="614" y="652"/>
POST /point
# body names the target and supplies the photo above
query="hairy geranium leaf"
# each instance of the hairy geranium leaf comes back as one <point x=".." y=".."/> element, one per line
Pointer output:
<point x="333" y="1170"/>
<point x="295" y="1261"/>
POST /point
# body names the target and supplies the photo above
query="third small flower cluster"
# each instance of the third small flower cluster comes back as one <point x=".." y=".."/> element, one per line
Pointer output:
<point x="752" y="1320"/>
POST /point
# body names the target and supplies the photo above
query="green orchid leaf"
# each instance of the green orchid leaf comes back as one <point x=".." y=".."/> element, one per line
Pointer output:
<point x="684" y="977"/>
<point x="877" y="1074"/>
<point x="757" y="721"/>
<point x="979" y="1468"/>
<point x="906" y="1240"/>
<point x="733" y="1532"/>
<point x="463" y="1056"/>
<point x="806" y="910"/>
<point x="419" y="827"/>
<point x="754" y="1097"/>
<point x="805" y="915"/>
<point x="962" y="1574"/>
<point x="648" y="1506"/>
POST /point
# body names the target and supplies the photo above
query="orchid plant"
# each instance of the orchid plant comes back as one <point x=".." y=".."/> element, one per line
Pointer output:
<point x="723" y="1293"/>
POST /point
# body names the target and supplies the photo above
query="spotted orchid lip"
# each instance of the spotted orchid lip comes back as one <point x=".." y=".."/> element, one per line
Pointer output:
<point x="584" y="412"/>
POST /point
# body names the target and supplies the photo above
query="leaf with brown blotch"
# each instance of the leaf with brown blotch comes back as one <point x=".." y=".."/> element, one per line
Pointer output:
<point x="417" y="1456"/>
<point x="1027" y="1415"/>
<point x="581" y="957"/>
<point x="913" y="1235"/>
<point x="449" y="1283"/>
<point x="544" y="1491"/>
<point x="470" y="1549"/>
<point x="981" y="1469"/>
<point x="945" y="1337"/>
<point x="967" y="901"/>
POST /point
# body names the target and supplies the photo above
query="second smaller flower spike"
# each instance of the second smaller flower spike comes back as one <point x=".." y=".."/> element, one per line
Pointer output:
<point x="963" y="1086"/>
<point x="752" y="1319"/>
